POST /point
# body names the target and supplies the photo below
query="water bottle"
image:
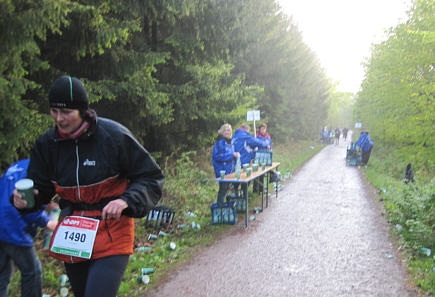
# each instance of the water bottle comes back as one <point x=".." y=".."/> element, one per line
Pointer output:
<point x="238" y="168"/>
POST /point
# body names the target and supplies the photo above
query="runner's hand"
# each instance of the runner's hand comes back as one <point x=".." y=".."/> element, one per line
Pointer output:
<point x="51" y="225"/>
<point x="19" y="202"/>
<point x="113" y="209"/>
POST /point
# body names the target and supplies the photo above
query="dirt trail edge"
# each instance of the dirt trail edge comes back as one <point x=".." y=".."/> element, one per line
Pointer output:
<point x="323" y="236"/>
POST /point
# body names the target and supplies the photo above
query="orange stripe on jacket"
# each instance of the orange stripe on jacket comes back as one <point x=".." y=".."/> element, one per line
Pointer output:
<point x="113" y="186"/>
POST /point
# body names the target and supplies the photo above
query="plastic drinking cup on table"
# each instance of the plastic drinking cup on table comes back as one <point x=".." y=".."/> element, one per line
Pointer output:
<point x="25" y="188"/>
<point x="248" y="172"/>
<point x="222" y="173"/>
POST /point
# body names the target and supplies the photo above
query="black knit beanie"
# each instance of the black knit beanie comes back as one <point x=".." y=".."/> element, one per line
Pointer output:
<point x="68" y="92"/>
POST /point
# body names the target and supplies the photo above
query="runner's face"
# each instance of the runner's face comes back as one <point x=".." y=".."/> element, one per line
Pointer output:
<point x="67" y="120"/>
<point x="228" y="133"/>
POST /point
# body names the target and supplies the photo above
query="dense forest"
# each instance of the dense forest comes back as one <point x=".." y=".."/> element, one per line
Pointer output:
<point x="172" y="71"/>
<point x="397" y="98"/>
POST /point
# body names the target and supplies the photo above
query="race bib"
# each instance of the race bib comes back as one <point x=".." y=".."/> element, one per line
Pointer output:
<point x="75" y="236"/>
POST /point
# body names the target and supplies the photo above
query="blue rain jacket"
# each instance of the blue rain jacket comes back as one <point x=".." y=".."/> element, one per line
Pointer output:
<point x="245" y="144"/>
<point x="361" y="139"/>
<point x="366" y="143"/>
<point x="265" y="138"/>
<point x="16" y="228"/>
<point x="223" y="157"/>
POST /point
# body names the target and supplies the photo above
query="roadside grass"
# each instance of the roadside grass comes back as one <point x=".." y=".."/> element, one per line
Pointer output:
<point x="410" y="211"/>
<point x="189" y="188"/>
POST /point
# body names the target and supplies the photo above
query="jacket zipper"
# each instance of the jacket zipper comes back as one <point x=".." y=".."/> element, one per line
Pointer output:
<point x="77" y="171"/>
<point x="77" y="180"/>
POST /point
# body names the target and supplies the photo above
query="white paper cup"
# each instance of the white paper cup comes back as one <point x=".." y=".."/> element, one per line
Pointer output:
<point x="25" y="187"/>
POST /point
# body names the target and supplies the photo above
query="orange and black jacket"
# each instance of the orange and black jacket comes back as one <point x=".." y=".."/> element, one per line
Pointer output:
<point x="104" y="163"/>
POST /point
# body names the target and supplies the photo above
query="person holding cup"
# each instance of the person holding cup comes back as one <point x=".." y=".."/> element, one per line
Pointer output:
<point x="16" y="236"/>
<point x="104" y="178"/>
<point x="223" y="158"/>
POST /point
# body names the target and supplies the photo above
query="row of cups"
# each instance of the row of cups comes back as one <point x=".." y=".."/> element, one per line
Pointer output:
<point x="246" y="169"/>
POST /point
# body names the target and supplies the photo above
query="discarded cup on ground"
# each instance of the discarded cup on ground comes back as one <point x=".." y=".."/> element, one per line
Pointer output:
<point x="181" y="226"/>
<point x="63" y="292"/>
<point x="258" y="209"/>
<point x="252" y="218"/>
<point x="172" y="245"/>
<point x="222" y="173"/>
<point x="144" y="279"/>
<point x="143" y="249"/>
<point x="152" y="236"/>
<point x="145" y="271"/>
<point x="426" y="251"/>
<point x="162" y="234"/>
<point x="25" y="188"/>
<point x="63" y="279"/>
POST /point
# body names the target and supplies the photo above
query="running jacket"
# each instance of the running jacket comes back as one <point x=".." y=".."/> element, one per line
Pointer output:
<point x="245" y="144"/>
<point x="104" y="163"/>
<point x="266" y="138"/>
<point x="223" y="157"/>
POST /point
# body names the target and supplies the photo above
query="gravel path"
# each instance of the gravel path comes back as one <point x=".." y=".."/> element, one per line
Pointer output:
<point x="323" y="236"/>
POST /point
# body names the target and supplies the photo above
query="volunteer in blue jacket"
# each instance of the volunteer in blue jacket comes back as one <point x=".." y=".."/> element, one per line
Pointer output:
<point x="361" y="139"/>
<point x="366" y="147"/>
<point x="223" y="157"/>
<point x="245" y="143"/>
<point x="16" y="237"/>
<point x="263" y="135"/>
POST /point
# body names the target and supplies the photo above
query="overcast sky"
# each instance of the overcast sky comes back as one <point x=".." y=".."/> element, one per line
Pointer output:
<point x="342" y="31"/>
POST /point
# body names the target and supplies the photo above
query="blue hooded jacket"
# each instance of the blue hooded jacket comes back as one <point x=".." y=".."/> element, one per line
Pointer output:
<point x="245" y="144"/>
<point x="16" y="228"/>
<point x="366" y="143"/>
<point x="361" y="139"/>
<point x="223" y="157"/>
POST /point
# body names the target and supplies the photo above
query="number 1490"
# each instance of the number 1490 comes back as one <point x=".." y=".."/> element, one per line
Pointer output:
<point x="75" y="236"/>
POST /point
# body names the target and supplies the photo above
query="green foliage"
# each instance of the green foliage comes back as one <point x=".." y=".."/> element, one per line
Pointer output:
<point x="410" y="210"/>
<point x="341" y="110"/>
<point x="396" y="102"/>
<point x="162" y="68"/>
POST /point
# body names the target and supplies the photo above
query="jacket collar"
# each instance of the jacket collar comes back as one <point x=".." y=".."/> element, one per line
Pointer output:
<point x="86" y="129"/>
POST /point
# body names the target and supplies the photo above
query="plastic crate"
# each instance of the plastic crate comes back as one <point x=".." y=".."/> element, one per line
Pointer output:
<point x="239" y="201"/>
<point x="275" y="176"/>
<point x="160" y="216"/>
<point x="261" y="156"/>
<point x="354" y="159"/>
<point x="224" y="213"/>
